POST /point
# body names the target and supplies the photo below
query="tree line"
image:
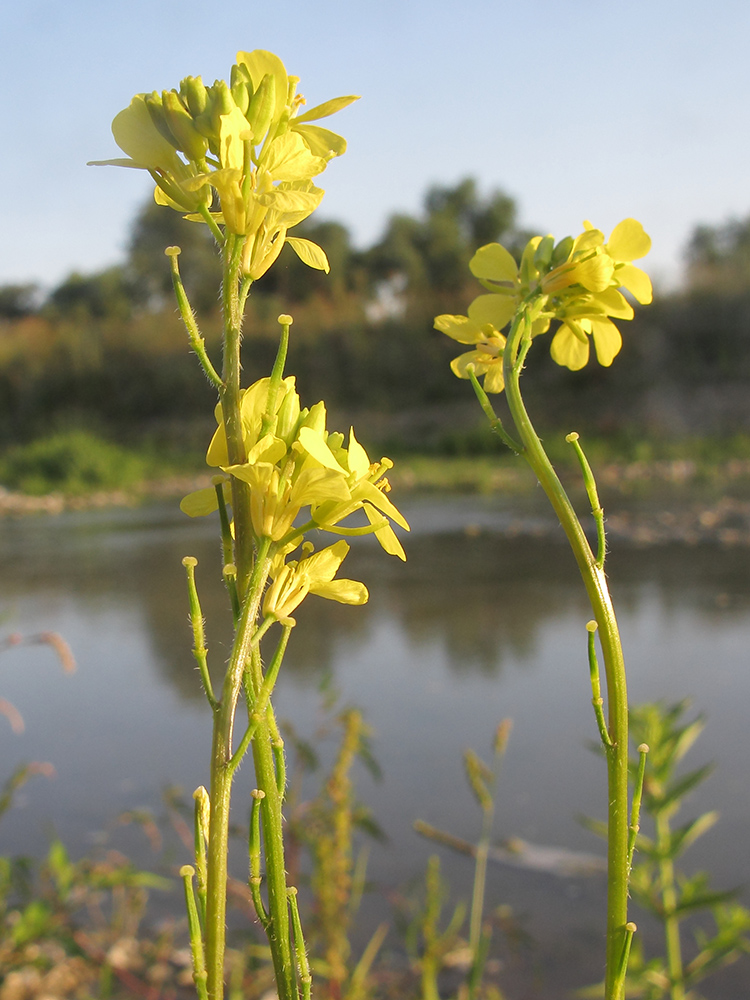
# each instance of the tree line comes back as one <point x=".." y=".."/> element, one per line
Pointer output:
<point x="106" y="349"/>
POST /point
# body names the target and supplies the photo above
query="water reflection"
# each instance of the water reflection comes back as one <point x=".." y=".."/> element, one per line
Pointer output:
<point x="474" y="627"/>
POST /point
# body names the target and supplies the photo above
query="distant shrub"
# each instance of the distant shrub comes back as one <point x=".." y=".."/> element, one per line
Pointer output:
<point x="69" y="462"/>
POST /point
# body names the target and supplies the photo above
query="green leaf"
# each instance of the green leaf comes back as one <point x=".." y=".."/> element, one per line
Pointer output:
<point x="684" y="785"/>
<point x="326" y="109"/>
<point x="309" y="253"/>
<point x="686" y="835"/>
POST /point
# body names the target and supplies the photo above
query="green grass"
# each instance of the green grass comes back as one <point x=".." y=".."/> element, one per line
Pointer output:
<point x="71" y="462"/>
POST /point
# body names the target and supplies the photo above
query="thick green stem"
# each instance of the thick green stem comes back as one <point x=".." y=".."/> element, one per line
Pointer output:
<point x="222" y="772"/>
<point x="278" y="929"/>
<point x="230" y="407"/>
<point x="595" y="582"/>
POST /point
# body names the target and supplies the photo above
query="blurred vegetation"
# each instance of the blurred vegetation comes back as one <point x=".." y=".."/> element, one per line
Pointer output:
<point x="106" y="351"/>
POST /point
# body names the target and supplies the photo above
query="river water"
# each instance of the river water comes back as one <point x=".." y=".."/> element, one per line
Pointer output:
<point x="477" y="626"/>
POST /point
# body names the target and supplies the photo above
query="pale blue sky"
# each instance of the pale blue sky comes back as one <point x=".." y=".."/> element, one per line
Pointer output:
<point x="577" y="108"/>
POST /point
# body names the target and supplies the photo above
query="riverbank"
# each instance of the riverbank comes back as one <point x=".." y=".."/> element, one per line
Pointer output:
<point x="646" y="502"/>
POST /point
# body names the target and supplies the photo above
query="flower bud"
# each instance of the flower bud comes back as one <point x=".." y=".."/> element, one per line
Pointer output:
<point x="543" y="253"/>
<point x="155" y="108"/>
<point x="262" y="106"/>
<point x="191" y="142"/>
<point x="194" y="95"/>
<point x="241" y="87"/>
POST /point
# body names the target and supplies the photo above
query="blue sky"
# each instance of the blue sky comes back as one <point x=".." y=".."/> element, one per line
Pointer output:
<point x="579" y="109"/>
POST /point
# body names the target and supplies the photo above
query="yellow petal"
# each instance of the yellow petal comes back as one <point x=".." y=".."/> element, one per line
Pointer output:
<point x="309" y="253"/>
<point x="325" y="109"/>
<point x="628" y="241"/>
<point x="289" y="159"/>
<point x="493" y="263"/>
<point x="386" y="536"/>
<point x="314" y="444"/>
<point x="233" y="130"/>
<point x="460" y="328"/>
<point x="595" y="274"/>
<point x="567" y="350"/>
<point x="607" y="340"/>
<point x="259" y="62"/>
<point x="589" y="239"/>
<point x="636" y="281"/>
<point x="136" y="134"/>
<point x="494" y="380"/>
<point x="367" y="491"/>
<point x="200" y="503"/>
<point x="460" y="365"/>
<point x="495" y="309"/>
<point x="343" y="591"/>
<point x="614" y="303"/>
<point x="321" y="141"/>
<point x="358" y="459"/>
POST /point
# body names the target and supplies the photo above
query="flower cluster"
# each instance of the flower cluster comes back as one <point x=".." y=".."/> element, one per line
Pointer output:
<point x="575" y="281"/>
<point x="246" y="141"/>
<point x="293" y="463"/>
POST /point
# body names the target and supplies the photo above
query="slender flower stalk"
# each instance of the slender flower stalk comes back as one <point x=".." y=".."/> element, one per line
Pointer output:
<point x="577" y="283"/>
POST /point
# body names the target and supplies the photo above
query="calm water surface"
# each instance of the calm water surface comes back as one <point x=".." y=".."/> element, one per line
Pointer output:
<point x="474" y="628"/>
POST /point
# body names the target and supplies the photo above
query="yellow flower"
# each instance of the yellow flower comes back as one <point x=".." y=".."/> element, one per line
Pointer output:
<point x="246" y="141"/>
<point x="367" y="487"/>
<point x="292" y="462"/>
<point x="313" y="574"/>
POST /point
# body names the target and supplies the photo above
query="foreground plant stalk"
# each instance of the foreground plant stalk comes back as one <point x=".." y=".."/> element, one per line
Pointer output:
<point x="592" y="572"/>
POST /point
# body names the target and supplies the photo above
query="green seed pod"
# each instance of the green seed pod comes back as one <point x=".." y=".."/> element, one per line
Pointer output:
<point x="194" y="95"/>
<point x="262" y="107"/>
<point x="192" y="143"/>
<point x="154" y="104"/>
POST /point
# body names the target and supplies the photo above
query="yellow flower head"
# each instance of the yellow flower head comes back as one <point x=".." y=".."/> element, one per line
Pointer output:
<point x="293" y="462"/>
<point x="249" y="143"/>
<point x="575" y="281"/>
<point x="313" y="574"/>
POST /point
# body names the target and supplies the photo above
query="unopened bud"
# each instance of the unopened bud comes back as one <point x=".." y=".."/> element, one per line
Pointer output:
<point x="262" y="107"/>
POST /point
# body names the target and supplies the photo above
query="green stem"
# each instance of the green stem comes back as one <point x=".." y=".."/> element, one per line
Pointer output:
<point x="199" y="637"/>
<point x="230" y="408"/>
<point x="593" y="494"/>
<point x="278" y="929"/>
<point x="595" y="582"/>
<point x="196" y="943"/>
<point x="669" y="905"/>
<point x="222" y="773"/>
<point x="260" y="701"/>
<point x="188" y="318"/>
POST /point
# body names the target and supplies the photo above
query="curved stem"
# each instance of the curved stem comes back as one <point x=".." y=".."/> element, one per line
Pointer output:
<point x="595" y="582"/>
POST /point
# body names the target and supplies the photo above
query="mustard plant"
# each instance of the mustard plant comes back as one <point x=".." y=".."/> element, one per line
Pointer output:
<point x="241" y="158"/>
<point x="658" y="885"/>
<point x="576" y="284"/>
